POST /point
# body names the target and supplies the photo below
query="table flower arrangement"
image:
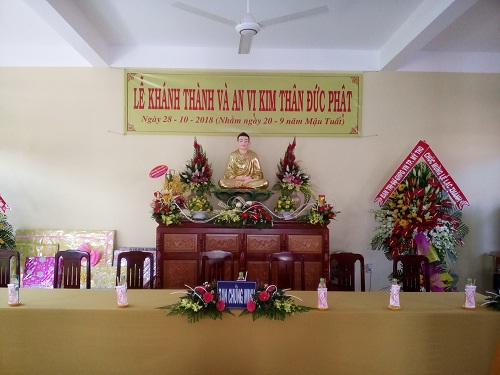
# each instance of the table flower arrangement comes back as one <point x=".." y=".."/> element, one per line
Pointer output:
<point x="291" y="178"/>
<point x="493" y="300"/>
<point x="239" y="213"/>
<point x="202" y="301"/>
<point x="168" y="202"/>
<point x="197" y="177"/>
<point x="321" y="214"/>
<point x="7" y="237"/>
<point x="271" y="302"/>
<point x="419" y="218"/>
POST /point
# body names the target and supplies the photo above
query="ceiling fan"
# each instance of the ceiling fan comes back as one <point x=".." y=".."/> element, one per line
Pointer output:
<point x="248" y="27"/>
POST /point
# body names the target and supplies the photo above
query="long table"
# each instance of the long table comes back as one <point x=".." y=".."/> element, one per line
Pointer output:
<point x="61" y="331"/>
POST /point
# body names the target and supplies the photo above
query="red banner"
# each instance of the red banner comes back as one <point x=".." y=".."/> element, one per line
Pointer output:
<point x="3" y="205"/>
<point x="422" y="149"/>
<point x="445" y="179"/>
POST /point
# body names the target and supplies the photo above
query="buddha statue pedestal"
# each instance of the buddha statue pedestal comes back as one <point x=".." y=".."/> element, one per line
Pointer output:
<point x="259" y="195"/>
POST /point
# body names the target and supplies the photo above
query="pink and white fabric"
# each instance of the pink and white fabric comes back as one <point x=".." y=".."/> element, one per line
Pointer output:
<point x="39" y="272"/>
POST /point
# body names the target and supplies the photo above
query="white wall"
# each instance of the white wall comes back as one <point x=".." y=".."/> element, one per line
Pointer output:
<point x="65" y="164"/>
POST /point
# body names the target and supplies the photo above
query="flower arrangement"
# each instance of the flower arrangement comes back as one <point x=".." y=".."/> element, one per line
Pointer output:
<point x="167" y="203"/>
<point x="239" y="213"/>
<point x="7" y="237"/>
<point x="285" y="204"/>
<point x="271" y="302"/>
<point x="198" y="173"/>
<point x="321" y="214"/>
<point x="493" y="300"/>
<point x="199" y="203"/>
<point x="256" y="213"/>
<point x="202" y="301"/>
<point x="420" y="218"/>
<point x="290" y="176"/>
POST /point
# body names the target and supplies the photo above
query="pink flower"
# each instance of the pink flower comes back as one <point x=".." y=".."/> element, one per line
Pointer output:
<point x="264" y="296"/>
<point x="220" y="305"/>
<point x="208" y="297"/>
<point x="251" y="306"/>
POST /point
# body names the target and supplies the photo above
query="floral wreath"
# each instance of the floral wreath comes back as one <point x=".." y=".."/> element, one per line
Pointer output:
<point x="419" y="218"/>
<point x="202" y="301"/>
<point x="271" y="302"/>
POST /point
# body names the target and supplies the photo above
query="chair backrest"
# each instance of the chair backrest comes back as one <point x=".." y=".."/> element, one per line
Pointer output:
<point x="342" y="271"/>
<point x="413" y="266"/>
<point x="212" y="266"/>
<point x="68" y="269"/>
<point x="136" y="262"/>
<point x="5" y="269"/>
<point x="282" y="270"/>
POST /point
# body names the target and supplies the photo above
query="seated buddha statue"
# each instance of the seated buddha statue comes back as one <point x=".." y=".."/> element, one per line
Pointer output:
<point x="243" y="168"/>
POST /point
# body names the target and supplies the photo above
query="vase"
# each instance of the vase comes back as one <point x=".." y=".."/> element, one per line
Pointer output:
<point x="199" y="215"/>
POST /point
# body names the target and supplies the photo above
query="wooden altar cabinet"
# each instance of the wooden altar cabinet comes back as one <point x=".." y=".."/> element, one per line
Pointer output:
<point x="179" y="247"/>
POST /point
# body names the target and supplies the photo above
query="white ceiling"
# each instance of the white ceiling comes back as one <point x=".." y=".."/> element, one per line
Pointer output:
<point x="356" y="35"/>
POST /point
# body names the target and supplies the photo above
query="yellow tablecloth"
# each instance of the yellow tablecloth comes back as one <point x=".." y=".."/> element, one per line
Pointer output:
<point x="58" y="331"/>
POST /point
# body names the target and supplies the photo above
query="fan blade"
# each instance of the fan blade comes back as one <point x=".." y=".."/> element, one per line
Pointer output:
<point x="245" y="44"/>
<point x="295" y="16"/>
<point x="202" y="13"/>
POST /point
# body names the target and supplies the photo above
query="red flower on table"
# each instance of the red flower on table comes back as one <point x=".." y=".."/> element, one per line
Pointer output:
<point x="220" y="305"/>
<point x="251" y="306"/>
<point x="208" y="297"/>
<point x="264" y="296"/>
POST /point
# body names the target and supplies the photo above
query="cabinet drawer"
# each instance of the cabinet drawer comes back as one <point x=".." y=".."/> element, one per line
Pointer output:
<point x="226" y="242"/>
<point x="263" y="244"/>
<point x="305" y="244"/>
<point x="179" y="242"/>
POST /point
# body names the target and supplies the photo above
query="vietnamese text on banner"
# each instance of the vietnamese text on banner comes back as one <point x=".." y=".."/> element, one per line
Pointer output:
<point x="309" y="104"/>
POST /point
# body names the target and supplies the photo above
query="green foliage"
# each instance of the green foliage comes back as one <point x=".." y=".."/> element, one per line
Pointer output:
<point x="7" y="237"/>
<point x="198" y="303"/>
<point x="272" y="303"/>
<point x="493" y="300"/>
